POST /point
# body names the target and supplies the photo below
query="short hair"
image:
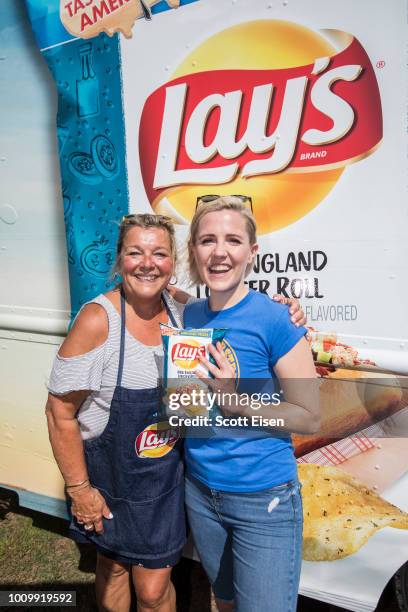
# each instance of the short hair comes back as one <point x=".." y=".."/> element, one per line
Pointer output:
<point x="221" y="203"/>
<point x="145" y="221"/>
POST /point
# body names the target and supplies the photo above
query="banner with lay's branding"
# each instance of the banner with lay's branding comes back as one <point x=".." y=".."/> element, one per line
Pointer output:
<point x="299" y="108"/>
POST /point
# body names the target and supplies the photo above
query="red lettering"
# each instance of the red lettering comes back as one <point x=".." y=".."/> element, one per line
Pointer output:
<point x="156" y="439"/>
<point x="209" y="124"/>
<point x="99" y="12"/>
<point x="85" y="21"/>
<point x="69" y="8"/>
<point x="78" y="5"/>
<point x="187" y="352"/>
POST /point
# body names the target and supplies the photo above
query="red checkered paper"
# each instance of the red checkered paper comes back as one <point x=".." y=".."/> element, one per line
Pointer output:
<point x="338" y="452"/>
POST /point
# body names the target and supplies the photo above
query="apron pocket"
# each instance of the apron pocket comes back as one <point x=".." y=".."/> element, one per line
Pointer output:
<point x="140" y="480"/>
<point x="149" y="529"/>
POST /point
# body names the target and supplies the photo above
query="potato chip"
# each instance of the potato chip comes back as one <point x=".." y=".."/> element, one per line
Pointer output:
<point x="340" y="513"/>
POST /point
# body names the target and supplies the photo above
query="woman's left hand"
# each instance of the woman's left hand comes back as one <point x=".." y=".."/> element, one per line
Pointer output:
<point x="224" y="381"/>
<point x="298" y="317"/>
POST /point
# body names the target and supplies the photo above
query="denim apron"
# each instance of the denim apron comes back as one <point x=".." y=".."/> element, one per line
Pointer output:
<point x="137" y="465"/>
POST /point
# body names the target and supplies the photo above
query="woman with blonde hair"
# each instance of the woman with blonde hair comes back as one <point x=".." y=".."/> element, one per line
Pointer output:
<point x="242" y="492"/>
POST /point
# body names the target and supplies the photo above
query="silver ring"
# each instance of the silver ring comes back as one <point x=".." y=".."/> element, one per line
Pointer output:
<point x="88" y="527"/>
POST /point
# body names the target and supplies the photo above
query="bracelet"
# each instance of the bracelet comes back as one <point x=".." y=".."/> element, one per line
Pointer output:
<point x="74" y="486"/>
<point x="79" y="489"/>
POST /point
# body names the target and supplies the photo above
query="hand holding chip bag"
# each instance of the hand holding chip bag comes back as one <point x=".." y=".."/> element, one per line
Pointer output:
<point x="184" y="351"/>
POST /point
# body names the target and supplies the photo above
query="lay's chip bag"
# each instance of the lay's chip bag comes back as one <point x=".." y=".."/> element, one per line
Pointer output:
<point x="184" y="391"/>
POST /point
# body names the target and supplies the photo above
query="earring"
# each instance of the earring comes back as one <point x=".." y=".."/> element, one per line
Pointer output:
<point x="173" y="280"/>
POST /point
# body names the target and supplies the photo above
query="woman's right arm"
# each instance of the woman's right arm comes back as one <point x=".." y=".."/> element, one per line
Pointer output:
<point x="65" y="436"/>
<point x="90" y="330"/>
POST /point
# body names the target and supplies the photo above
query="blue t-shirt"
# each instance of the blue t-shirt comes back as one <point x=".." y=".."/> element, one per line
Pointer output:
<point x="259" y="333"/>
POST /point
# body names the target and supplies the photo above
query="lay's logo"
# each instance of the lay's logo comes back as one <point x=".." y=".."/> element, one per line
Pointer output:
<point x="156" y="440"/>
<point x="267" y="100"/>
<point x="185" y="354"/>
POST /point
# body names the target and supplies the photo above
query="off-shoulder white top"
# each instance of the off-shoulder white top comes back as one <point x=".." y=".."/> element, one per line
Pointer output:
<point x="97" y="370"/>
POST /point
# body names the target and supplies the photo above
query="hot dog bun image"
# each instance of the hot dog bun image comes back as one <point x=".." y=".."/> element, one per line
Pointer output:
<point x="351" y="400"/>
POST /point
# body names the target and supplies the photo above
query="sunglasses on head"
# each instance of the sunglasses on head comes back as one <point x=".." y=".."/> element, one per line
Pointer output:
<point x="207" y="199"/>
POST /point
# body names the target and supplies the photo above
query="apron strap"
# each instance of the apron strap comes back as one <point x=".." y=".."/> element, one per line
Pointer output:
<point x="123" y="331"/>
<point x="169" y="312"/>
<point x="122" y="337"/>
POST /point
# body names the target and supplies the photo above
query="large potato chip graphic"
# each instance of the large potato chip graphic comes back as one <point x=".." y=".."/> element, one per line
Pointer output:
<point x="340" y="513"/>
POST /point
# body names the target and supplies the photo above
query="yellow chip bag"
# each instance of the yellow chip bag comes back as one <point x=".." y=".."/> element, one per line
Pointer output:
<point x="182" y="349"/>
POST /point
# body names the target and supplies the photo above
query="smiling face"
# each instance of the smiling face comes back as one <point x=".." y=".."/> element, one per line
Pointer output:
<point x="222" y="252"/>
<point x="146" y="262"/>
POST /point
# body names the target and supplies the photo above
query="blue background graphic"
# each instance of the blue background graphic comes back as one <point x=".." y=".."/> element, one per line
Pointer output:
<point x="91" y="141"/>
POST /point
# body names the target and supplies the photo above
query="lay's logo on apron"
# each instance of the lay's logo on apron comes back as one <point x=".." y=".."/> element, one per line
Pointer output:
<point x="156" y="440"/>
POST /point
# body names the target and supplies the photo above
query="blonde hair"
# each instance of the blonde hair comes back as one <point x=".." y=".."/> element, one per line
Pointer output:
<point x="145" y="221"/>
<point x="221" y="203"/>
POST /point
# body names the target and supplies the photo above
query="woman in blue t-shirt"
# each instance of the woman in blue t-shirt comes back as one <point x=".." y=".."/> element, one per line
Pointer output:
<point x="242" y="492"/>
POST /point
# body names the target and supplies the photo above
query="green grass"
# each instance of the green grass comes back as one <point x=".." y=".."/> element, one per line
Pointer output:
<point x="36" y="554"/>
<point x="43" y="556"/>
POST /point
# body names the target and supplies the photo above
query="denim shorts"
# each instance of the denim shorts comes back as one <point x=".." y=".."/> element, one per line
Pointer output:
<point x="250" y="544"/>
